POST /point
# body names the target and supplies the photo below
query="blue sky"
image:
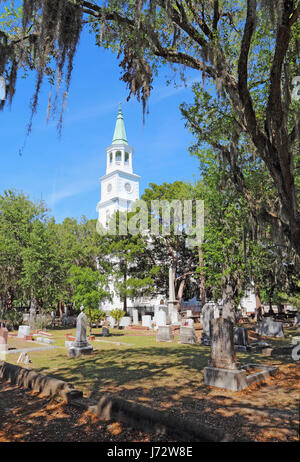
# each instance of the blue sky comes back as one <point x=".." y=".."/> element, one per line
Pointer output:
<point x="65" y="172"/>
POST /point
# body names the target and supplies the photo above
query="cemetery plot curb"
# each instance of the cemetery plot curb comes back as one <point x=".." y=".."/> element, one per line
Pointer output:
<point x="113" y="408"/>
<point x="32" y="380"/>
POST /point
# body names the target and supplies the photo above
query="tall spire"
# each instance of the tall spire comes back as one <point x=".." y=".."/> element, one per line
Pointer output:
<point x="120" y="133"/>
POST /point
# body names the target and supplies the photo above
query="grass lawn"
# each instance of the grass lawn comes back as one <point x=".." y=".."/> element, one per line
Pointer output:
<point x="170" y="376"/>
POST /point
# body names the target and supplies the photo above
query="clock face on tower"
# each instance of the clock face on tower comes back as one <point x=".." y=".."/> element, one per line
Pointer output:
<point x="128" y="187"/>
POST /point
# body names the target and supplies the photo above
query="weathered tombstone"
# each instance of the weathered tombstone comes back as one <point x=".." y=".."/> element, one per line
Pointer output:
<point x="174" y="318"/>
<point x="297" y="321"/>
<point x="172" y="302"/>
<point x="161" y="318"/>
<point x="3" y="338"/>
<point x="135" y="316"/>
<point x="223" y="371"/>
<point x="125" y="321"/>
<point x="207" y="316"/>
<point x="81" y="345"/>
<point x="25" y="317"/>
<point x="105" y="332"/>
<point x="240" y="335"/>
<point x="187" y="335"/>
<point x="23" y="331"/>
<point x="164" y="334"/>
<point x="112" y="321"/>
<point x="269" y="328"/>
<point x="32" y="312"/>
<point x="147" y="321"/>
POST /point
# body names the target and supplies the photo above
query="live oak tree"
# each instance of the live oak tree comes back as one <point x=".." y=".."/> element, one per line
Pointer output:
<point x="169" y="247"/>
<point x="18" y="218"/>
<point x="244" y="48"/>
<point x="128" y="259"/>
<point x="89" y="289"/>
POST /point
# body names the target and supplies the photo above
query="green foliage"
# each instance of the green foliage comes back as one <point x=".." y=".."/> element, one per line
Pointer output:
<point x="12" y="319"/>
<point x="117" y="314"/>
<point x="89" y="289"/>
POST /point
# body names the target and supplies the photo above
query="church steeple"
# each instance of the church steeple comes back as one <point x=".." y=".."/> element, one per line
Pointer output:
<point x="120" y="132"/>
<point x="119" y="186"/>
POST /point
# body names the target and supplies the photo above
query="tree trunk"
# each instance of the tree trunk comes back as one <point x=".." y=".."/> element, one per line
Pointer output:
<point x="228" y="305"/>
<point x="258" y="308"/>
<point x="202" y="279"/>
<point x="180" y="292"/>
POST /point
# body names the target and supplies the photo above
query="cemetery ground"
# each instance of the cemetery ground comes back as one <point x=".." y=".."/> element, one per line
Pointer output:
<point x="166" y="376"/>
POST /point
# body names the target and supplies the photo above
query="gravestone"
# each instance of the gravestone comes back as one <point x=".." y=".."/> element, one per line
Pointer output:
<point x="187" y="335"/>
<point x="25" y="317"/>
<point x="135" y="316"/>
<point x="3" y="338"/>
<point x="147" y="321"/>
<point x="269" y="328"/>
<point x="172" y="302"/>
<point x="105" y="332"/>
<point x="207" y="315"/>
<point x="23" y="331"/>
<point x="161" y="318"/>
<point x="112" y="321"/>
<point x="240" y="335"/>
<point x="223" y="371"/>
<point x="297" y="321"/>
<point x="81" y="346"/>
<point x="174" y="318"/>
<point x="164" y="334"/>
<point x="125" y="321"/>
<point x="222" y="344"/>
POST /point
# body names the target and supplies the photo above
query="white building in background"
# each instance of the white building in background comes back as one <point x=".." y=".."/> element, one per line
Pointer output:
<point x="119" y="189"/>
<point x="119" y="186"/>
<point x="248" y="301"/>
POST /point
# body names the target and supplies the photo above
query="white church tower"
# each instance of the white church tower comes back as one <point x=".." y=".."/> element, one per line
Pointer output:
<point x="119" y="186"/>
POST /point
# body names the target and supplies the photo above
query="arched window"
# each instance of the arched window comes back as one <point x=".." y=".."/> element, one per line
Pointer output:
<point x="118" y="157"/>
<point x="110" y="157"/>
<point x="126" y="157"/>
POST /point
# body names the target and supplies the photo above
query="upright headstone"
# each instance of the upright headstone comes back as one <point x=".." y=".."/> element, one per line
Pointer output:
<point x="112" y="321"/>
<point x="222" y="354"/>
<point x="23" y="331"/>
<point x="147" y="321"/>
<point x="161" y="318"/>
<point x="105" y="332"/>
<point x="240" y="335"/>
<point x="125" y="321"/>
<point x="187" y="335"/>
<point x="32" y="312"/>
<point x="164" y="334"/>
<point x="207" y="315"/>
<point x="222" y="371"/>
<point x="296" y="321"/>
<point x="135" y="317"/>
<point x="175" y="318"/>
<point x="3" y="338"/>
<point x="81" y="345"/>
<point x="172" y="302"/>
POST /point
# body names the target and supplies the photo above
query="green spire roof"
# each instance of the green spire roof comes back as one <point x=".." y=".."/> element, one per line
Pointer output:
<point x="120" y="133"/>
